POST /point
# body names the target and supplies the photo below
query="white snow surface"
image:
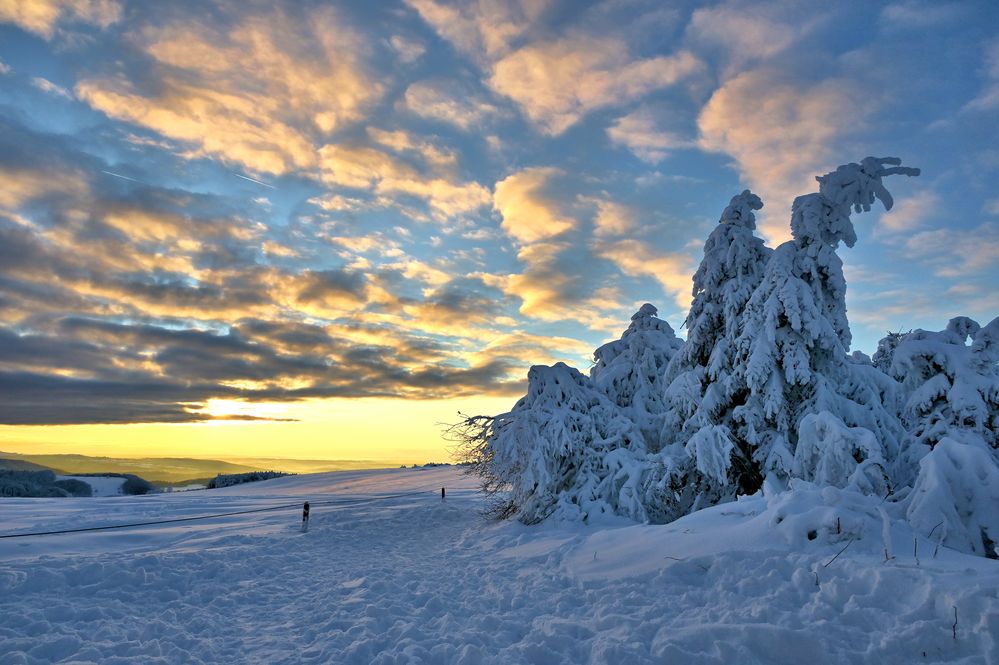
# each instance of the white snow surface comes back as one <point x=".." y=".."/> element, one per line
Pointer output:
<point x="100" y="485"/>
<point x="411" y="579"/>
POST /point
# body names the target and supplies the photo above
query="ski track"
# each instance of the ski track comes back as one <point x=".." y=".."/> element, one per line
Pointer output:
<point x="417" y="580"/>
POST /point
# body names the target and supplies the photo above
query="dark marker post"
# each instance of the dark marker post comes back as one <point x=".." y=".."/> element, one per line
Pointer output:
<point x="305" y="517"/>
<point x="442" y="494"/>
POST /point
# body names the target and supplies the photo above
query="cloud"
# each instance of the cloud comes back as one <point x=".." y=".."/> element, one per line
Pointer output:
<point x="554" y="81"/>
<point x="261" y="92"/>
<point x="361" y="167"/>
<point x="22" y="185"/>
<point x="557" y="83"/>
<point x="914" y="14"/>
<point x="409" y="50"/>
<point x="43" y="16"/>
<point x="523" y="349"/>
<point x="911" y="213"/>
<point x="641" y="133"/>
<point x="399" y="141"/>
<point x="550" y="287"/>
<point x="529" y="215"/>
<point x="988" y="98"/>
<point x="50" y="88"/>
<point x="613" y="219"/>
<point x="447" y="101"/>
<point x="748" y="35"/>
<point x="781" y="133"/>
<point x="5" y="69"/>
<point x="484" y="29"/>
<point x="956" y="253"/>
<point x="673" y="270"/>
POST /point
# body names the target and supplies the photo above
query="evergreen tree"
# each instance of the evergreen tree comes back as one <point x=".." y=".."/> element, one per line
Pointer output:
<point x="710" y="466"/>
<point x="565" y="448"/>
<point x="792" y="350"/>
<point x="952" y="413"/>
<point x="630" y="371"/>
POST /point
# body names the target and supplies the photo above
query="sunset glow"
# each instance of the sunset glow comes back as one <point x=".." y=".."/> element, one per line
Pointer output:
<point x="320" y="230"/>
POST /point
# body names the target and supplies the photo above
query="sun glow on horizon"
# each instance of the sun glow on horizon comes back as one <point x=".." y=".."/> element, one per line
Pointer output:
<point x="388" y="431"/>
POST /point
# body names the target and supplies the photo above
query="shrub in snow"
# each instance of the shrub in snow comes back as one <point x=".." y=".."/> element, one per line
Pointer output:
<point x="956" y="495"/>
<point x="30" y="484"/>
<point x="75" y="487"/>
<point x="134" y="485"/>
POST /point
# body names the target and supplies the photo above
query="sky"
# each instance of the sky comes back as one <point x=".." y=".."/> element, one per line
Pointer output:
<point x="312" y="229"/>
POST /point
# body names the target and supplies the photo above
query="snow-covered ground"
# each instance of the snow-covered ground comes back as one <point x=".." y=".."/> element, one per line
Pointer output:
<point x="100" y="485"/>
<point x="412" y="579"/>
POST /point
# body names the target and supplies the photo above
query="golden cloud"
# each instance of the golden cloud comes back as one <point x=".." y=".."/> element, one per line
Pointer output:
<point x="43" y="16"/>
<point x="260" y="93"/>
<point x="528" y="214"/>
<point x="362" y="167"/>
<point x="781" y="134"/>
<point x="673" y="271"/>
<point x="557" y="83"/>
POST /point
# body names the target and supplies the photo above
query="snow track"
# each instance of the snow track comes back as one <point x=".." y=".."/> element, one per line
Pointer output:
<point x="416" y="580"/>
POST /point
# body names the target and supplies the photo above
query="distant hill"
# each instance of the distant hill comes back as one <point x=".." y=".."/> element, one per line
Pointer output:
<point x="154" y="469"/>
<point x="168" y="470"/>
<point x="20" y="465"/>
<point x="310" y="465"/>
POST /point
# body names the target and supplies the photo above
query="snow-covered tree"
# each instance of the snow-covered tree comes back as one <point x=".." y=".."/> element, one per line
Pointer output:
<point x="952" y="415"/>
<point x="765" y="387"/>
<point x="732" y="268"/>
<point x="952" y="387"/>
<point x="793" y="347"/>
<point x="563" y="448"/>
<point x="708" y="464"/>
<point x="630" y="371"/>
<point x="885" y="355"/>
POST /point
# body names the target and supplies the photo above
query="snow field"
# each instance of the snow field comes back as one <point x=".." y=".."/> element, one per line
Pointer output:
<point x="100" y="485"/>
<point x="416" y="580"/>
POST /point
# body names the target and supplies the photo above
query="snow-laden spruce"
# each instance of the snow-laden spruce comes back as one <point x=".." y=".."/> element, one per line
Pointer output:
<point x="630" y="371"/>
<point x="952" y="414"/>
<point x="764" y="391"/>
<point x="793" y="348"/>
<point x="703" y="390"/>
<point x="563" y="448"/>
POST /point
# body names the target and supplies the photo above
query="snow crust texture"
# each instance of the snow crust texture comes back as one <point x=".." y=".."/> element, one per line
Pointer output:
<point x="416" y="580"/>
<point x="763" y="391"/>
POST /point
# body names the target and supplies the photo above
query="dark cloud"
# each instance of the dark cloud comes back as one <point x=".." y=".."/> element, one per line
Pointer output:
<point x="106" y="372"/>
<point x="325" y="285"/>
<point x="130" y="292"/>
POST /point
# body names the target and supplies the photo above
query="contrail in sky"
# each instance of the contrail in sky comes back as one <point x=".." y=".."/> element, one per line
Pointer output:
<point x="123" y="177"/>
<point x="252" y="180"/>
